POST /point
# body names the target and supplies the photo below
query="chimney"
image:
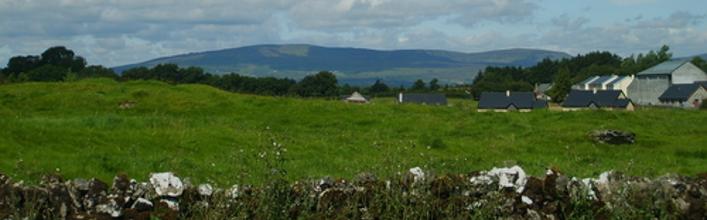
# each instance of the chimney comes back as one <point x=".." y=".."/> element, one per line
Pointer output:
<point x="508" y="93"/>
<point x="400" y="97"/>
<point x="595" y="90"/>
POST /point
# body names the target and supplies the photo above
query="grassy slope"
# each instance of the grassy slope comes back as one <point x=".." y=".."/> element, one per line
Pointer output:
<point x="211" y="135"/>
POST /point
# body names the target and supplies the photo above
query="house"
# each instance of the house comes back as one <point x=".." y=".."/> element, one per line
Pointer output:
<point x="509" y="101"/>
<point x="356" y="98"/>
<point x="541" y="91"/>
<point x="651" y="83"/>
<point x="597" y="99"/>
<point x="684" y="95"/>
<point x="423" y="98"/>
<point x="607" y="82"/>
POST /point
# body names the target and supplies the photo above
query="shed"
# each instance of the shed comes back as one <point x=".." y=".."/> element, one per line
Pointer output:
<point x="356" y="98"/>
<point x="423" y="98"/>
<point x="684" y="95"/>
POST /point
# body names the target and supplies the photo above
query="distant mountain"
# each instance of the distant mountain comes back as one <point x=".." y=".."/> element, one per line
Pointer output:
<point x="353" y="65"/>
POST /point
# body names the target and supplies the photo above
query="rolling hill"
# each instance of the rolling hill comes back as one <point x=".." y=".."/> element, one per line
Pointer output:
<point x="353" y="65"/>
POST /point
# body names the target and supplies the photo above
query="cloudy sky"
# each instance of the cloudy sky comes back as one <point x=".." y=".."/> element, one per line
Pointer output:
<point x="116" y="32"/>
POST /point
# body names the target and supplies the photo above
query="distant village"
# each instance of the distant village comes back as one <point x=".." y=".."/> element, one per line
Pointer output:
<point x="674" y="83"/>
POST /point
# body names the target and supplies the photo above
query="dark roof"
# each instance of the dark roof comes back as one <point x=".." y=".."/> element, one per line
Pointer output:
<point x="679" y="92"/>
<point x="499" y="100"/>
<point x="425" y="98"/>
<point x="603" y="98"/>
<point x="702" y="83"/>
<point x="664" y="68"/>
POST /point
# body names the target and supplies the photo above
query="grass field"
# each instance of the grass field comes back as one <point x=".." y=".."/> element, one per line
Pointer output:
<point x="214" y="136"/>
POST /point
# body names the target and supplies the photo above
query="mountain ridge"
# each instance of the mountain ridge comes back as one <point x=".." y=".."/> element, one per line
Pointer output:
<point x="352" y="65"/>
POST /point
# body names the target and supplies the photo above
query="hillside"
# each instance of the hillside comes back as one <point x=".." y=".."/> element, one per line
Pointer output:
<point x="78" y="129"/>
<point x="353" y="65"/>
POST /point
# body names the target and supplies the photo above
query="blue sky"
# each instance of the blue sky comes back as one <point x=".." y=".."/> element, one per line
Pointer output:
<point x="116" y="32"/>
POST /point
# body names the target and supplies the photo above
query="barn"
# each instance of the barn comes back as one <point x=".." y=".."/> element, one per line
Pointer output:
<point x="651" y="83"/>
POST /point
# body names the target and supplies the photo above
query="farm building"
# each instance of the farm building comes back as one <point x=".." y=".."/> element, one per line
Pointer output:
<point x="356" y="98"/>
<point x="597" y="99"/>
<point x="423" y="98"/>
<point x="684" y="95"/>
<point x="607" y="82"/>
<point x="541" y="91"/>
<point x="509" y="101"/>
<point x="650" y="84"/>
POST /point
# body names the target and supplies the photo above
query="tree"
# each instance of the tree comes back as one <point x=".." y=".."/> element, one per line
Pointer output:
<point x="136" y="73"/>
<point x="322" y="84"/>
<point x="419" y="85"/>
<point x="21" y="64"/>
<point x="95" y="71"/>
<point x="45" y="73"/>
<point x="699" y="62"/>
<point x="379" y="87"/>
<point x="61" y="57"/>
<point x="562" y="85"/>
<point x="434" y="84"/>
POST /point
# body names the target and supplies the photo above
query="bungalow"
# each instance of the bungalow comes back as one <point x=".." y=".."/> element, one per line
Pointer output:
<point x="684" y="95"/>
<point x="650" y="84"/>
<point x="356" y="98"/>
<point x="607" y="82"/>
<point x="505" y="102"/>
<point x="597" y="99"/>
<point x="423" y="98"/>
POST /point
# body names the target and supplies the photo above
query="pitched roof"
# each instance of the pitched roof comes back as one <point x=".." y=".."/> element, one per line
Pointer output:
<point x="664" y="68"/>
<point x="544" y="87"/>
<point x="356" y="97"/>
<point x="603" y="98"/>
<point x="500" y="100"/>
<point x="425" y="98"/>
<point x="679" y="92"/>
<point x="702" y="83"/>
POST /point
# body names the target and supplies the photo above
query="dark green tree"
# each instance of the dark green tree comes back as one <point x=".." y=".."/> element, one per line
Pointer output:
<point x="419" y="85"/>
<point x="60" y="56"/>
<point x="45" y="73"/>
<point x="699" y="62"/>
<point x="95" y="71"/>
<point x="434" y="84"/>
<point x="322" y="84"/>
<point x="562" y="85"/>
<point x="379" y="88"/>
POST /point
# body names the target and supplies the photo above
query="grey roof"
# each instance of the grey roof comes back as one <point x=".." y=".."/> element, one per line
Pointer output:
<point x="664" y="68"/>
<point x="679" y="92"/>
<point x="601" y="80"/>
<point x="425" y="98"/>
<point x="544" y="87"/>
<point x="499" y="100"/>
<point x="604" y="98"/>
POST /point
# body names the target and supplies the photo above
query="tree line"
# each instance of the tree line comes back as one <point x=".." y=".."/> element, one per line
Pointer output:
<point x="567" y="72"/>
<point x="62" y="64"/>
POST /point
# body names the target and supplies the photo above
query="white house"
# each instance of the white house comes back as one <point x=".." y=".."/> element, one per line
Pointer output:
<point x="606" y="82"/>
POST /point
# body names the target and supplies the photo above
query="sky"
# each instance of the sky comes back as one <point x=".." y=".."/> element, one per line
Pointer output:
<point x="118" y="32"/>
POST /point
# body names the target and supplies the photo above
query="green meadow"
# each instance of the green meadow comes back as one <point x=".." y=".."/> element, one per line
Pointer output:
<point x="77" y="129"/>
